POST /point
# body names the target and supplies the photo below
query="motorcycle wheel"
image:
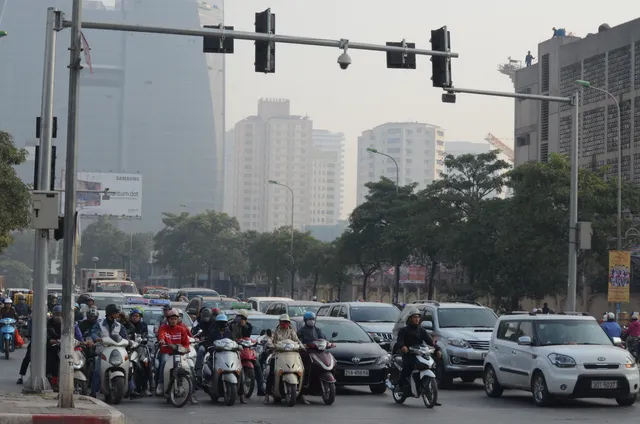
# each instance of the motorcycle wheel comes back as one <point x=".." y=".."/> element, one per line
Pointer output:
<point x="80" y="387"/>
<point x="398" y="395"/>
<point x="248" y="382"/>
<point x="117" y="390"/>
<point x="230" y="392"/>
<point x="291" y="393"/>
<point x="429" y="392"/>
<point x="5" y="345"/>
<point x="328" y="392"/>
<point x="181" y="385"/>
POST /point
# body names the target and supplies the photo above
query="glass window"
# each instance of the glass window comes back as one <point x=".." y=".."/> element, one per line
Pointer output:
<point x="343" y="312"/>
<point x="299" y="310"/>
<point x="428" y="315"/>
<point x="348" y="332"/>
<point x="466" y="318"/>
<point x="103" y="301"/>
<point x="508" y="330"/>
<point x="324" y="310"/>
<point x="203" y="293"/>
<point x="526" y="329"/>
<point x="335" y="311"/>
<point x="571" y="332"/>
<point x="374" y="314"/>
<point x="263" y="323"/>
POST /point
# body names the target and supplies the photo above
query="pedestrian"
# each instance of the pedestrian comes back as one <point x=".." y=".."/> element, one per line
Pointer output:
<point x="528" y="60"/>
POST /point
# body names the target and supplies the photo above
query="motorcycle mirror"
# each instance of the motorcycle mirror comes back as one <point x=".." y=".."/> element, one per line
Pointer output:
<point x="263" y="332"/>
<point x="269" y="333"/>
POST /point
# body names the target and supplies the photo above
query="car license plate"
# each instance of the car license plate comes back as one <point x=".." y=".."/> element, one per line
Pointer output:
<point x="356" y="373"/>
<point x="606" y="384"/>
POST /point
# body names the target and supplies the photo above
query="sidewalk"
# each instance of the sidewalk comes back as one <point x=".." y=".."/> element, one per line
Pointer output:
<point x="17" y="408"/>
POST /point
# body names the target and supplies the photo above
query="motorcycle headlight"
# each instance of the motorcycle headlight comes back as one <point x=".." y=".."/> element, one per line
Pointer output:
<point x="383" y="360"/>
<point x="79" y="365"/>
<point x="115" y="358"/>
<point x="462" y="344"/>
<point x="561" y="361"/>
<point x="288" y="347"/>
<point x="630" y="362"/>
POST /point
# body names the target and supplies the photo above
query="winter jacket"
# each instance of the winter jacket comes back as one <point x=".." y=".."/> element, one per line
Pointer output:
<point x="634" y="329"/>
<point x="283" y="334"/>
<point x="173" y="336"/>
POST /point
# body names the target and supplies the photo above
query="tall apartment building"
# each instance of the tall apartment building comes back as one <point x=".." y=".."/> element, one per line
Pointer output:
<point x="229" y="172"/>
<point x="327" y="184"/>
<point x="418" y="148"/>
<point x="610" y="60"/>
<point x="273" y="145"/>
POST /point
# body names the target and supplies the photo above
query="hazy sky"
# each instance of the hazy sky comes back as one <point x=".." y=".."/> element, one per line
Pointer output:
<point x="484" y="33"/>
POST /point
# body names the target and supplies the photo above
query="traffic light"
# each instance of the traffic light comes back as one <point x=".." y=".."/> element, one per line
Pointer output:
<point x="441" y="65"/>
<point x="265" y="50"/>
<point x="399" y="60"/>
<point x="214" y="44"/>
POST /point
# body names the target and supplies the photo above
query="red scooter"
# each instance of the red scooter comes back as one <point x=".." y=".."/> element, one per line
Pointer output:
<point x="320" y="379"/>
<point x="248" y="357"/>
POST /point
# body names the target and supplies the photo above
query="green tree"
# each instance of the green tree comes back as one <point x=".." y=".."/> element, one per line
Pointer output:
<point x="103" y="240"/>
<point x="173" y="249"/>
<point x="361" y="249"/>
<point x="22" y="248"/>
<point x="337" y="268"/>
<point x="15" y="199"/>
<point x="313" y="262"/>
<point x="16" y="274"/>
<point x="268" y="256"/>
<point x="141" y="248"/>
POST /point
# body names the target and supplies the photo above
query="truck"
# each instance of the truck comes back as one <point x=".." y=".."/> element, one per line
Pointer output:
<point x="89" y="277"/>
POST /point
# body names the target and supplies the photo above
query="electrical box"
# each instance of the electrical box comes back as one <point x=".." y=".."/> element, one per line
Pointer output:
<point x="46" y="207"/>
<point x="584" y="233"/>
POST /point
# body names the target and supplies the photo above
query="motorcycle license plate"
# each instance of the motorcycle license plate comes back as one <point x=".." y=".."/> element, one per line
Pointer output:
<point x="606" y="384"/>
<point x="356" y="373"/>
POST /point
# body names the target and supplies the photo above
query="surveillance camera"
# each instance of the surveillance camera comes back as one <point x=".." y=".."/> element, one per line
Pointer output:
<point x="344" y="60"/>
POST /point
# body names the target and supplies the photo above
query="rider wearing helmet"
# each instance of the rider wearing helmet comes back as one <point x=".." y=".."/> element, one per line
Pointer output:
<point x="22" y="308"/>
<point x="77" y="313"/>
<point x="206" y="324"/>
<point x="611" y="327"/>
<point x="54" y="334"/>
<point x="283" y="332"/>
<point x="89" y="322"/>
<point x="314" y="299"/>
<point x="53" y="302"/>
<point x="409" y="336"/>
<point x="633" y="336"/>
<point x="310" y="333"/>
<point x="8" y="311"/>
<point x="137" y="325"/>
<point x="241" y="328"/>
<point x="170" y="334"/>
<point x="221" y="330"/>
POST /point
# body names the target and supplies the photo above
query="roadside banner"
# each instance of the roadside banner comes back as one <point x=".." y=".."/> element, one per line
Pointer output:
<point x="619" y="276"/>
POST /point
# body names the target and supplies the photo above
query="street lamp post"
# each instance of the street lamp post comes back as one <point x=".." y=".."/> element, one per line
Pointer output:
<point x="587" y="84"/>
<point x="396" y="292"/>
<point x="293" y="270"/>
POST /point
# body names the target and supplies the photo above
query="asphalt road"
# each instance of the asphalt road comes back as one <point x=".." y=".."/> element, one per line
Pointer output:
<point x="465" y="403"/>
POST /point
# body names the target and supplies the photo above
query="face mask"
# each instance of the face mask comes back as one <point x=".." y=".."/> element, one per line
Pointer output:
<point x="310" y="322"/>
<point x="284" y="325"/>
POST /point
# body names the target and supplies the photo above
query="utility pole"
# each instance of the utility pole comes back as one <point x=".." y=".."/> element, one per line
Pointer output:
<point x="572" y="283"/>
<point x="38" y="380"/>
<point x="68" y="247"/>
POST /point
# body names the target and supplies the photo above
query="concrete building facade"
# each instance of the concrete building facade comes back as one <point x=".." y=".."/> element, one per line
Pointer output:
<point x="418" y="148"/>
<point x="327" y="184"/>
<point x="609" y="59"/>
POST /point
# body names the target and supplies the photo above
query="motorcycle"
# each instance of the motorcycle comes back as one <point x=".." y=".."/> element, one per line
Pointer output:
<point x="422" y="380"/>
<point x="140" y="357"/>
<point x="178" y="375"/>
<point x="321" y="380"/>
<point x="115" y="369"/>
<point x="248" y="358"/>
<point x="222" y="367"/>
<point x="80" y="382"/>
<point x="7" y="329"/>
<point x="288" y="367"/>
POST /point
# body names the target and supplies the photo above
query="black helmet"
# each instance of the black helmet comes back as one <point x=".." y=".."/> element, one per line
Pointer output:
<point x="206" y="315"/>
<point x="112" y="309"/>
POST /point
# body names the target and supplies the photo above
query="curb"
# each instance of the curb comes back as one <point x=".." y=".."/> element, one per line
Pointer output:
<point x="104" y="414"/>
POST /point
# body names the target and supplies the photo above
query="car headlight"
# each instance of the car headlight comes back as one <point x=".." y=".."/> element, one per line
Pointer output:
<point x="383" y="360"/>
<point x="459" y="343"/>
<point x="561" y="361"/>
<point x="630" y="362"/>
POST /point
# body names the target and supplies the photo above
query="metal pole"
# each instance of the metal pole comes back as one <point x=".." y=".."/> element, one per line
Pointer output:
<point x="38" y="381"/>
<point x="572" y="284"/>
<point x="241" y="35"/>
<point x="567" y="100"/>
<point x="130" y="252"/>
<point x="619" y="228"/>
<point x="66" y="346"/>
<point x="293" y="267"/>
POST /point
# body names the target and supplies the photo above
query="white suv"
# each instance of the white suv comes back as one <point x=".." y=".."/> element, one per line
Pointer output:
<point x="558" y="356"/>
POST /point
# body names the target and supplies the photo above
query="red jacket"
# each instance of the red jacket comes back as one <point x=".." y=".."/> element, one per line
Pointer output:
<point x="634" y="329"/>
<point x="173" y="335"/>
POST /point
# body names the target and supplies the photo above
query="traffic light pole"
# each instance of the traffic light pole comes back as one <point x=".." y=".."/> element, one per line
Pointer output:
<point x="572" y="283"/>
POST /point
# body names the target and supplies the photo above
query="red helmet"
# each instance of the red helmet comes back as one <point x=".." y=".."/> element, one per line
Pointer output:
<point x="216" y="311"/>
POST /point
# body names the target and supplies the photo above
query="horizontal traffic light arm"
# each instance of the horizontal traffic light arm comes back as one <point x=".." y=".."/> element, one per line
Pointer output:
<point x="253" y="36"/>
<point x="454" y="90"/>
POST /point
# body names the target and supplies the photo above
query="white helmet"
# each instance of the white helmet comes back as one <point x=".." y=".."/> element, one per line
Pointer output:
<point x="284" y="317"/>
<point x="314" y="298"/>
<point x="8" y="301"/>
<point x="634" y="317"/>
<point x="611" y="316"/>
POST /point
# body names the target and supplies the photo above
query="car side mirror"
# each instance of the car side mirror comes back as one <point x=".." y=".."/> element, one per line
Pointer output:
<point x="377" y="339"/>
<point x="524" y="341"/>
<point x="617" y="341"/>
<point x="427" y="324"/>
<point x="334" y="334"/>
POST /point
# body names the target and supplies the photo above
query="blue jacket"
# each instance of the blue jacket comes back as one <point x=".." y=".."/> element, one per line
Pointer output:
<point x="78" y="333"/>
<point x="216" y="335"/>
<point x="612" y="329"/>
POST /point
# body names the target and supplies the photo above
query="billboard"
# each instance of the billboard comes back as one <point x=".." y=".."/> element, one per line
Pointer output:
<point x="619" y="273"/>
<point x="124" y="196"/>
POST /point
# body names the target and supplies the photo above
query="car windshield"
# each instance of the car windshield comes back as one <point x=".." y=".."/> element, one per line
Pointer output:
<point x="374" y="314"/>
<point x="466" y="317"/>
<point x="299" y="310"/>
<point x="348" y="331"/>
<point x="259" y="324"/>
<point x="101" y="302"/>
<point x="117" y="288"/>
<point x="570" y="332"/>
<point x="204" y="293"/>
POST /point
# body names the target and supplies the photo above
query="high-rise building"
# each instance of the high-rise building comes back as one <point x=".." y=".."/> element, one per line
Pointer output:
<point x="229" y="171"/>
<point x="417" y="148"/>
<point x="149" y="104"/>
<point x="327" y="184"/>
<point x="277" y="146"/>
<point x="609" y="60"/>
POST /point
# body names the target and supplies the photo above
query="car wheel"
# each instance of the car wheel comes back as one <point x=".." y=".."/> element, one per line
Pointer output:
<point x="541" y="396"/>
<point x="626" y="401"/>
<point x="491" y="385"/>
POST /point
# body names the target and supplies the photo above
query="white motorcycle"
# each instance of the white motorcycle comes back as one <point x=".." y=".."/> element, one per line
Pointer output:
<point x="177" y="377"/>
<point x="222" y="370"/>
<point x="288" y="368"/>
<point x="115" y="369"/>
<point x="80" y="382"/>
<point x="422" y="380"/>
